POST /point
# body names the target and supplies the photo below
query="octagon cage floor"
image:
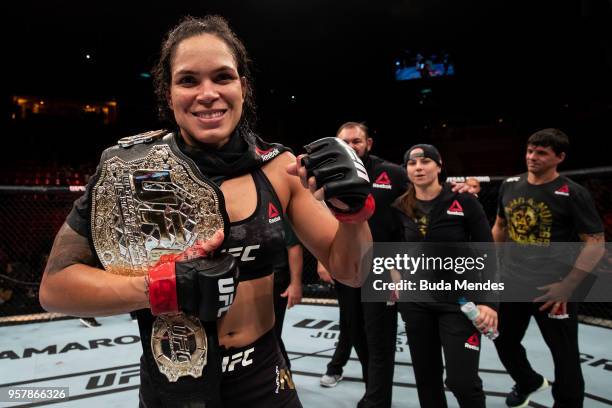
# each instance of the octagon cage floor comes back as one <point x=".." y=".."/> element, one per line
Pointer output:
<point x="100" y="365"/>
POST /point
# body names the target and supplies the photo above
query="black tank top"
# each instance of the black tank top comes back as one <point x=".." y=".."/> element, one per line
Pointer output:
<point x="258" y="241"/>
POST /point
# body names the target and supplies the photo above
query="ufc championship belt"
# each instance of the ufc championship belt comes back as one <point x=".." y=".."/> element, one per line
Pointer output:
<point x="151" y="200"/>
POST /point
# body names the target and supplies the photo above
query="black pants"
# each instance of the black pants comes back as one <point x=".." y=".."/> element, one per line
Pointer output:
<point x="561" y="337"/>
<point x="351" y="331"/>
<point x="434" y="326"/>
<point x="380" y="323"/>
<point x="280" y="307"/>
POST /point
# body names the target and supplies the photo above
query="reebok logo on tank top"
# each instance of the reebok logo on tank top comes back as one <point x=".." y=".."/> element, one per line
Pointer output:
<point x="273" y="214"/>
<point x="563" y="190"/>
<point x="383" y="181"/>
<point x="455" y="209"/>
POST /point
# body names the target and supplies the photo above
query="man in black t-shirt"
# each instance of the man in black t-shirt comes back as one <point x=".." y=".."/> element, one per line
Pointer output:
<point x="370" y="326"/>
<point x="537" y="209"/>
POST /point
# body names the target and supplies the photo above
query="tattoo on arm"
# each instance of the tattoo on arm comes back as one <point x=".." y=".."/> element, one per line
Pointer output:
<point x="594" y="238"/>
<point x="69" y="248"/>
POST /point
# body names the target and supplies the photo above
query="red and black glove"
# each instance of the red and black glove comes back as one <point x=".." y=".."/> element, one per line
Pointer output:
<point x="204" y="286"/>
<point x="339" y="171"/>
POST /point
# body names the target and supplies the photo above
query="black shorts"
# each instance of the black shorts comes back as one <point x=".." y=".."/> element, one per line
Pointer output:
<point x="257" y="376"/>
<point x="254" y="376"/>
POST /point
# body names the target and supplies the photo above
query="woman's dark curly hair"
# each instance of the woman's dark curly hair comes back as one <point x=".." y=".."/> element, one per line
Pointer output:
<point x="190" y="27"/>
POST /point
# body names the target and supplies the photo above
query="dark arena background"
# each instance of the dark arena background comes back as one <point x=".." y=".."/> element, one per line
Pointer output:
<point x="475" y="78"/>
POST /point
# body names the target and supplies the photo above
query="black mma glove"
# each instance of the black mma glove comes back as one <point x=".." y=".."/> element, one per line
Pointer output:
<point x="339" y="171"/>
<point x="204" y="287"/>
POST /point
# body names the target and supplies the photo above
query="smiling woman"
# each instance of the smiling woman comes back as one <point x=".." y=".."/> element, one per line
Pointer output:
<point x="165" y="210"/>
<point x="206" y="94"/>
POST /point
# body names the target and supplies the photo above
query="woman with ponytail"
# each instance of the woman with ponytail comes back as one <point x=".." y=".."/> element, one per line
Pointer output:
<point x="431" y="212"/>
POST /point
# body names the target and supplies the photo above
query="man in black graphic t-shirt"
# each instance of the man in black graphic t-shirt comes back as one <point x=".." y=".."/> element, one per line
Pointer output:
<point x="535" y="210"/>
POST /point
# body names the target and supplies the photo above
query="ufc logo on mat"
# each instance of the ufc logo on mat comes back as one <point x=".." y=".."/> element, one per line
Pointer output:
<point x="242" y="253"/>
<point x="229" y="362"/>
<point x="226" y="294"/>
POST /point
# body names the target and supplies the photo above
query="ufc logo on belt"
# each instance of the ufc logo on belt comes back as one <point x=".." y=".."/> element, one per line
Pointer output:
<point x="226" y="294"/>
<point x="229" y="362"/>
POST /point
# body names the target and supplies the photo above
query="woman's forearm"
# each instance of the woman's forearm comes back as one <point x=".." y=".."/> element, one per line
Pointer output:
<point x="347" y="257"/>
<point x="82" y="290"/>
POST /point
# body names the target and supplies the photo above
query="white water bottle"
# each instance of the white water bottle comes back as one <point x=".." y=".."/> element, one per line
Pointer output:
<point x="470" y="310"/>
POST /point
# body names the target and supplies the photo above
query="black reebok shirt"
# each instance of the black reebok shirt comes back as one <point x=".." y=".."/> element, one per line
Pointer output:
<point x="389" y="181"/>
<point x="538" y="215"/>
<point x="553" y="212"/>
<point x="453" y="217"/>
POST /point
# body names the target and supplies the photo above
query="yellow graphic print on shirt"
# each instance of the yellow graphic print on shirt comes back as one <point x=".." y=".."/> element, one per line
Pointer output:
<point x="421" y="223"/>
<point x="529" y="221"/>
